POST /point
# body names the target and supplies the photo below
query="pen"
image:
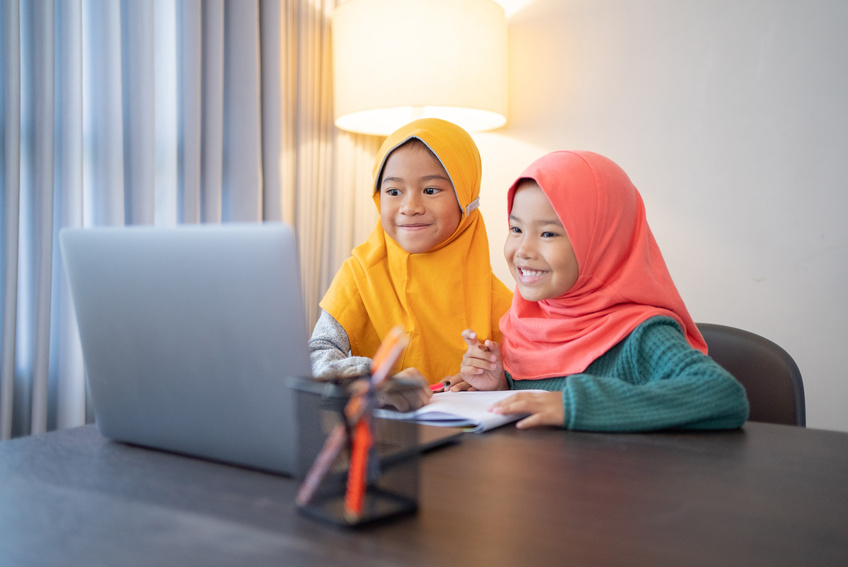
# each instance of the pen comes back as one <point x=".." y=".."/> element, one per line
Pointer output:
<point x="440" y="386"/>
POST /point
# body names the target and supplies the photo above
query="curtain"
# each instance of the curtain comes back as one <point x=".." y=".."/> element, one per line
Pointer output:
<point x="119" y="112"/>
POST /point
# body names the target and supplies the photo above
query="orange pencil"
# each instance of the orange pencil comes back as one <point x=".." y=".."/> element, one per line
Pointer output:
<point x="356" y="478"/>
<point x="387" y="353"/>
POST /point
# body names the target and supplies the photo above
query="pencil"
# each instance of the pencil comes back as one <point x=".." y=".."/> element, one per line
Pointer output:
<point x="332" y="446"/>
<point x="356" y="478"/>
<point x="387" y="353"/>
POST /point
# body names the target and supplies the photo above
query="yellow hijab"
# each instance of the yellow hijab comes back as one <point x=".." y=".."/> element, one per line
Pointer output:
<point x="434" y="295"/>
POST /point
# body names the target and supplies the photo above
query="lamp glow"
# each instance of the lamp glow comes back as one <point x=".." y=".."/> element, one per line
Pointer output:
<point x="399" y="60"/>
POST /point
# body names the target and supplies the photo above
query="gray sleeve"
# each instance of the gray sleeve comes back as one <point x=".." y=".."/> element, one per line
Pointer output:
<point x="329" y="351"/>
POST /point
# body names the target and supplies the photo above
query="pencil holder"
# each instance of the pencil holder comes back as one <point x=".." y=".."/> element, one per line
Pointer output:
<point x="325" y="432"/>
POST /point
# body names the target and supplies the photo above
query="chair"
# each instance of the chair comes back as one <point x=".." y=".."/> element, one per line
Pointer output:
<point x="768" y="373"/>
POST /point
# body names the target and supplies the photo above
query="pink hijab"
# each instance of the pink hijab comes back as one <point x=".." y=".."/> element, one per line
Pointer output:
<point x="623" y="279"/>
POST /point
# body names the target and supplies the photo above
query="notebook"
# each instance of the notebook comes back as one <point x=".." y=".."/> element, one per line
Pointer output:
<point x="468" y="410"/>
<point x="191" y="336"/>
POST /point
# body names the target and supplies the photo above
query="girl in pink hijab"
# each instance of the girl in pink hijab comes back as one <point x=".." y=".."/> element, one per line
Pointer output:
<point x="596" y="319"/>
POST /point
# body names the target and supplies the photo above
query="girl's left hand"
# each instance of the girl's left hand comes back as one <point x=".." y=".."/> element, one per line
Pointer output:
<point x="545" y="408"/>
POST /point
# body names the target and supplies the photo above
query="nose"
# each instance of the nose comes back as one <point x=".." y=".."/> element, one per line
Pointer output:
<point x="525" y="248"/>
<point x="412" y="204"/>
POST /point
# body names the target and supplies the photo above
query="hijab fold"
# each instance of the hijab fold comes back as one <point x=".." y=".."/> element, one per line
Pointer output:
<point x="623" y="279"/>
<point x="434" y="295"/>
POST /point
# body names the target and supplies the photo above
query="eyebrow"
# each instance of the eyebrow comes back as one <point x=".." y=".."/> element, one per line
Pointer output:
<point x="542" y="222"/>
<point x="424" y="178"/>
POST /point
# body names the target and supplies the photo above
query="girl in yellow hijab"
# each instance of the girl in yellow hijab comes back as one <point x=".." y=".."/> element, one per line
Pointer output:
<point x="425" y="265"/>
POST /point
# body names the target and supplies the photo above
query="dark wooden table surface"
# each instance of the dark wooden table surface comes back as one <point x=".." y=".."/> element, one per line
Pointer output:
<point x="764" y="495"/>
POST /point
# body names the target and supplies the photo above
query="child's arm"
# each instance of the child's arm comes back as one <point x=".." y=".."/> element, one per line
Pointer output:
<point x="329" y="351"/>
<point x="482" y="366"/>
<point x="330" y="355"/>
<point x="651" y="380"/>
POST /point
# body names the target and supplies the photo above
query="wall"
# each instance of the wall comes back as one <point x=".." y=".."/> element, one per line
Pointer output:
<point x="731" y="117"/>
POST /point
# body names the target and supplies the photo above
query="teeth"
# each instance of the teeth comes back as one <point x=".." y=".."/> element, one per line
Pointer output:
<point x="530" y="273"/>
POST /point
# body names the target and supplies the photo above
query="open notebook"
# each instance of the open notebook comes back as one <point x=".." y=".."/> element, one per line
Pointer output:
<point x="460" y="409"/>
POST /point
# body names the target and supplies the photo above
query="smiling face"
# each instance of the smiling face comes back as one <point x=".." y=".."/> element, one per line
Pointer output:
<point x="537" y="248"/>
<point x="418" y="205"/>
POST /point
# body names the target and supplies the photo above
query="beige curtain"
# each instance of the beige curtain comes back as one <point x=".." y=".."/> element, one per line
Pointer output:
<point x="317" y="177"/>
<point x="159" y="112"/>
<point x="351" y="215"/>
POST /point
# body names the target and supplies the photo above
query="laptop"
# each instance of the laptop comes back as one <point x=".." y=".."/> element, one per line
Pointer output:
<point x="190" y="337"/>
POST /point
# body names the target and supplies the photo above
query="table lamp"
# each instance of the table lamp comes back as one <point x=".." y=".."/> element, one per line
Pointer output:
<point x="395" y="61"/>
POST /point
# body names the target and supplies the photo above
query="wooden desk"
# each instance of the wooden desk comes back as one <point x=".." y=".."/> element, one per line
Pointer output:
<point x="765" y="495"/>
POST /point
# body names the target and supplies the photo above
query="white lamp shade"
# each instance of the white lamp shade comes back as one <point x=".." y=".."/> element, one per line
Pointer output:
<point x="395" y="61"/>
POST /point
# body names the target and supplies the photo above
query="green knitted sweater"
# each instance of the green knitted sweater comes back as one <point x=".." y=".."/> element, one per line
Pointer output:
<point x="653" y="379"/>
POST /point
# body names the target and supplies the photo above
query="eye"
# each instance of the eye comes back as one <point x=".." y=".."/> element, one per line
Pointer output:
<point x="431" y="190"/>
<point x="392" y="192"/>
<point x="549" y="234"/>
<point x="515" y="230"/>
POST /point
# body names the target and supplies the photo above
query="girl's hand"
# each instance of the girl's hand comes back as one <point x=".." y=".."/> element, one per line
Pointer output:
<point x="396" y="392"/>
<point x="482" y="366"/>
<point x="545" y="408"/>
<point x="453" y="383"/>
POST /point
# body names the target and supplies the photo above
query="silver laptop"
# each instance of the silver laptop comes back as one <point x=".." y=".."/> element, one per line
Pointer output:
<point x="188" y="335"/>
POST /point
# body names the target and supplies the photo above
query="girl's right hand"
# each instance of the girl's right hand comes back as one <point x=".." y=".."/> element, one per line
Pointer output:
<point x="482" y="366"/>
<point x="397" y="393"/>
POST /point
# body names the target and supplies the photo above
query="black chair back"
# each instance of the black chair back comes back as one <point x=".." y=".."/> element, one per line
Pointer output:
<point x="768" y="373"/>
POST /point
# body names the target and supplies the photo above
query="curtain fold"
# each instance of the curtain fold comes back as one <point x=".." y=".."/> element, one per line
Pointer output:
<point x="190" y="107"/>
<point x="117" y="112"/>
<point x="242" y="161"/>
<point x="37" y="210"/>
<point x="138" y="48"/>
<point x="313" y="199"/>
<point x="66" y="392"/>
<point x="212" y="109"/>
<point x="10" y="78"/>
<point x="275" y="110"/>
<point x="103" y="125"/>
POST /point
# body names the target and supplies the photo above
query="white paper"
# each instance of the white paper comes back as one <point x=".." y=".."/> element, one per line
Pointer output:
<point x="459" y="409"/>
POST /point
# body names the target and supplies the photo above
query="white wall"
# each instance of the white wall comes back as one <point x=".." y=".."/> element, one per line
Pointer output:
<point x="731" y="117"/>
